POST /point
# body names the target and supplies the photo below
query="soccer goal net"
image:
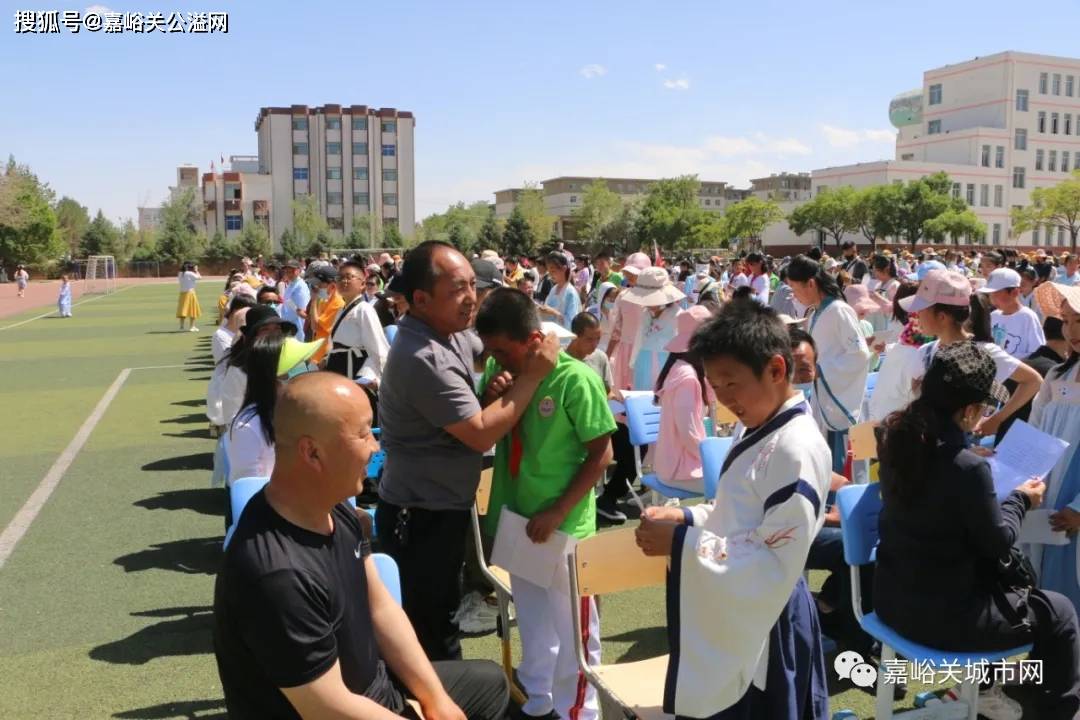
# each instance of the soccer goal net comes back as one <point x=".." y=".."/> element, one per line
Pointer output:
<point x="100" y="274"/>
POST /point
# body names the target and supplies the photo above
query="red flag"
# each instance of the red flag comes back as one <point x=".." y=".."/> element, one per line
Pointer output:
<point x="657" y="260"/>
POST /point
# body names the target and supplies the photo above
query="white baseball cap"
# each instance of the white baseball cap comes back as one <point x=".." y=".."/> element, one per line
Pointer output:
<point x="1001" y="279"/>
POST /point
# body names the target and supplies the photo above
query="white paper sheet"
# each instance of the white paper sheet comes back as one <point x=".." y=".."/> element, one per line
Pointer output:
<point x="517" y="554"/>
<point x="1036" y="529"/>
<point x="1024" y="453"/>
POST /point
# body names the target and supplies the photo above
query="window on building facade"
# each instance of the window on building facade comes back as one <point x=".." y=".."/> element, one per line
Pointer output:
<point x="999" y="195"/>
<point x="1040" y="156"/>
<point x="1020" y="141"/>
<point x="907" y="156"/>
<point x="333" y="123"/>
<point x="389" y="199"/>
<point x="1064" y="161"/>
<point x="1061" y="237"/>
<point x="1044" y="81"/>
<point x="360" y="198"/>
<point x="1022" y="100"/>
<point x="359" y="123"/>
<point x="1051" y="163"/>
<point x="1035" y="235"/>
<point x="933" y="127"/>
<point x="299" y="149"/>
<point x="234" y="222"/>
<point x="333" y="148"/>
<point x="999" y="157"/>
<point x="333" y="198"/>
<point x="1053" y="123"/>
<point x="389" y="175"/>
<point x="1067" y="129"/>
<point x="389" y="126"/>
<point x="359" y="149"/>
<point x="971" y="194"/>
<point x="333" y="173"/>
<point x="1069" y="85"/>
<point x="1042" y="121"/>
<point x="956" y="190"/>
<point x="1018" y="177"/>
<point x="389" y="151"/>
<point x="1056" y="86"/>
<point x="299" y="123"/>
<point x="335" y="223"/>
<point x="986" y="156"/>
<point x="997" y="234"/>
<point x="935" y="94"/>
<point x="359" y="173"/>
<point x="300" y="174"/>
<point x="573" y="199"/>
<point x="984" y="194"/>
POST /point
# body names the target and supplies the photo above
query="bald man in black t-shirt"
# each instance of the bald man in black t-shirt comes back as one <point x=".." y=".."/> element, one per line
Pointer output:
<point x="304" y="627"/>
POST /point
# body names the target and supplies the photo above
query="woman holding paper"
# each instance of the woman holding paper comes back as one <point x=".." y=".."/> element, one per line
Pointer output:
<point x="1056" y="411"/>
<point x="943" y="533"/>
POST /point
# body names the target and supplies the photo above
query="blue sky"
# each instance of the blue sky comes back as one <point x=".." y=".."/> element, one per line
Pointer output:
<point x="503" y="92"/>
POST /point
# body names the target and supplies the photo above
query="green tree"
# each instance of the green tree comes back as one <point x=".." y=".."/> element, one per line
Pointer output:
<point x="531" y="204"/>
<point x="1057" y="206"/>
<point x="747" y="220"/>
<point x="619" y="233"/>
<point x="291" y="247"/>
<point x="489" y="236"/>
<point x="127" y="241"/>
<point x="458" y="237"/>
<point x="72" y="220"/>
<point x="392" y="237"/>
<point x="308" y="223"/>
<point x="179" y="238"/>
<point x="923" y="200"/>
<point x="518" y="238"/>
<point x="599" y="208"/>
<point x="253" y="241"/>
<point x="28" y="228"/>
<point x="360" y="235"/>
<point x="669" y="213"/>
<point x="221" y="248"/>
<point x="830" y="212"/>
<point x="876" y="212"/>
<point x="954" y="224"/>
<point x="100" y="237"/>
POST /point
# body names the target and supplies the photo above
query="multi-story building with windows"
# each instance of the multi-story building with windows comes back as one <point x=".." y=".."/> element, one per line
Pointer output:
<point x="233" y="199"/>
<point x="1000" y="126"/>
<point x="357" y="162"/>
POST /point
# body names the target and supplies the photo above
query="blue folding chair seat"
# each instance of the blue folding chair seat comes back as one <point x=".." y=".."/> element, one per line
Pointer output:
<point x="391" y="333"/>
<point x="388" y="573"/>
<point x="860" y="506"/>
<point x="243" y="489"/>
<point x="643" y="422"/>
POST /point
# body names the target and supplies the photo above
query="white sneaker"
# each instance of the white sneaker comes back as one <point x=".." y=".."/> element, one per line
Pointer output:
<point x="475" y="615"/>
<point x="194" y="329"/>
<point x="994" y="704"/>
<point x="672" y="502"/>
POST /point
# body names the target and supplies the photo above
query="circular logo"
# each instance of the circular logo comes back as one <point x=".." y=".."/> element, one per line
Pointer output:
<point x="547" y="407"/>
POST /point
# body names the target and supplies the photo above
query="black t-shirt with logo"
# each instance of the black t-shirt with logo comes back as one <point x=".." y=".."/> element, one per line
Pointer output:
<point x="288" y="603"/>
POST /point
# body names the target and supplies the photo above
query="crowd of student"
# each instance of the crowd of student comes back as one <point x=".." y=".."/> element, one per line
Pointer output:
<point x="512" y="363"/>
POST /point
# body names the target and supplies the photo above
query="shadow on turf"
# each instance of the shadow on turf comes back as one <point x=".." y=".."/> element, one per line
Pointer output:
<point x="201" y="379"/>
<point x="196" y="433"/>
<point x="186" y="631"/>
<point x="207" y="501"/>
<point x="195" y="461"/>
<point x="196" y="417"/>
<point x="187" y="710"/>
<point x="194" y="556"/>
<point x="647" y="642"/>
<point x="198" y="402"/>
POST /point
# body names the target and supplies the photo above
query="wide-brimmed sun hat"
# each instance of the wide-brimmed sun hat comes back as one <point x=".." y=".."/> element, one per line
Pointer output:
<point x="654" y="288"/>
<point x="294" y="352"/>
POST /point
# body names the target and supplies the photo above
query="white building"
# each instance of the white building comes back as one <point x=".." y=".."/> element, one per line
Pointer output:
<point x="356" y="161"/>
<point x="1000" y="126"/>
<point x="233" y="199"/>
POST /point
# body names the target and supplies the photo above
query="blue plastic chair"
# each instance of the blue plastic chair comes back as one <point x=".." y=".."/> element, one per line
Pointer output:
<point x="643" y="422"/>
<point x="391" y="333"/>
<point x="714" y="451"/>
<point x="240" y="492"/>
<point x="388" y="573"/>
<point x="860" y="507"/>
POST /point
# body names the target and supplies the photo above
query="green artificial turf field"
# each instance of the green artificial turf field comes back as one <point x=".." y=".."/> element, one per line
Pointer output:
<point x="105" y="604"/>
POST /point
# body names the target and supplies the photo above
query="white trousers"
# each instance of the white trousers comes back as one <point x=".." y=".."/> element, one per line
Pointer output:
<point x="549" y="670"/>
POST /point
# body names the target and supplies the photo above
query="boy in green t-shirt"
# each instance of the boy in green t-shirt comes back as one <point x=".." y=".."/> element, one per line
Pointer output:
<point x="545" y="470"/>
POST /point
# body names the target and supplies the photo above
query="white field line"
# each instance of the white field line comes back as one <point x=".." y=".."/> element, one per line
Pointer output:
<point x="53" y="312"/>
<point x="18" y="526"/>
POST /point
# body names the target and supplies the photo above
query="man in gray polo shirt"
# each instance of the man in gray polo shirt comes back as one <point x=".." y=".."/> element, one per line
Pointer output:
<point x="434" y="432"/>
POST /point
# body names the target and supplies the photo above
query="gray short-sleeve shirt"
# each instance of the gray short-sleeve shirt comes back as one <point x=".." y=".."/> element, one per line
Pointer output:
<point x="427" y="385"/>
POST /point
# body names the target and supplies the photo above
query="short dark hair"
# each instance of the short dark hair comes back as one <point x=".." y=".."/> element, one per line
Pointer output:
<point x="355" y="265"/>
<point x="847" y="244"/>
<point x="750" y="333"/>
<point x="1029" y="273"/>
<point x="418" y="270"/>
<point x="800" y="336"/>
<point x="995" y="257"/>
<point x="508" y="312"/>
<point x="264" y="290"/>
<point x="1052" y="328"/>
<point x="583" y="321"/>
<point x="240" y="301"/>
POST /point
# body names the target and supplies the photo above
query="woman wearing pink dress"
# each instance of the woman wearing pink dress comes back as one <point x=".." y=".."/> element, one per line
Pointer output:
<point x="625" y="323"/>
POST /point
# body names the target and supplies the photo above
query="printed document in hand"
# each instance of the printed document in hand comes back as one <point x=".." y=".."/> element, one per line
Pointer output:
<point x="1036" y="529"/>
<point x="1024" y="453"/>
<point x="518" y="555"/>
